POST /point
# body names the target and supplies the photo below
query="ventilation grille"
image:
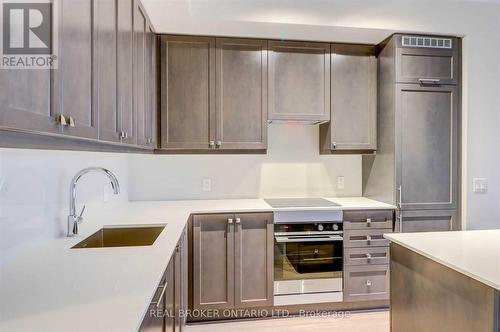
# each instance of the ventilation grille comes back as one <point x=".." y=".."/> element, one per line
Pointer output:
<point x="417" y="41"/>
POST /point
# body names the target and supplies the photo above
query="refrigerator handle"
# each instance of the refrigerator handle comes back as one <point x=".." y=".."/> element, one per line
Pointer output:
<point x="400" y="221"/>
<point x="400" y="197"/>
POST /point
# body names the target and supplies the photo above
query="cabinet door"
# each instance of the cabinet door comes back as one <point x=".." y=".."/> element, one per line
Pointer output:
<point x="187" y="92"/>
<point x="427" y="221"/>
<point x="140" y="73"/>
<point x="105" y="101"/>
<point x="353" y="102"/>
<point x="155" y="318"/>
<point x="179" y="284"/>
<point x="170" y="297"/>
<point x="299" y="81"/>
<point x="150" y="90"/>
<point x="73" y="78"/>
<point x="427" y="65"/>
<point x="25" y="99"/>
<point x="213" y="261"/>
<point x="254" y="247"/>
<point x="241" y="100"/>
<point x="427" y="146"/>
<point x="127" y="118"/>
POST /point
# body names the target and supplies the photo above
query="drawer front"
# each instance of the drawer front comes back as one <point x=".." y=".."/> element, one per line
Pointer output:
<point x="366" y="256"/>
<point x="366" y="237"/>
<point x="363" y="283"/>
<point x="368" y="219"/>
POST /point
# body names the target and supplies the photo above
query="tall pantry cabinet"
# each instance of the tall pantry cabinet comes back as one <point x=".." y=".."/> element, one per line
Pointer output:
<point x="417" y="162"/>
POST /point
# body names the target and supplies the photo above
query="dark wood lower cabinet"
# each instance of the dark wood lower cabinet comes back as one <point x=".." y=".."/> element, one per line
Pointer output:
<point x="366" y="255"/>
<point x="232" y="261"/>
<point x="166" y="309"/>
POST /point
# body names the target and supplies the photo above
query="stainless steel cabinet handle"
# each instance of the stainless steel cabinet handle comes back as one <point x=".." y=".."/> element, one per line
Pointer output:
<point x="368" y="256"/>
<point x="400" y="222"/>
<point x="238" y="220"/>
<point x="149" y="140"/>
<point x="123" y="135"/>
<point x="400" y="196"/>
<point x="230" y="221"/>
<point x="158" y="303"/>
<point x="71" y="122"/>
<point x="61" y="119"/>
<point x="368" y="221"/>
<point x="218" y="144"/>
<point x="429" y="80"/>
<point x="368" y="238"/>
<point x="211" y="144"/>
<point x="368" y="283"/>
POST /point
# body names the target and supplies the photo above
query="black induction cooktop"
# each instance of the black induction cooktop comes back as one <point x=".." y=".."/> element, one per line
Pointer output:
<point x="299" y="202"/>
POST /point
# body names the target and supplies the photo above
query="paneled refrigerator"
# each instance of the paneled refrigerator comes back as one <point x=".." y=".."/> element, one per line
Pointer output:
<point x="417" y="164"/>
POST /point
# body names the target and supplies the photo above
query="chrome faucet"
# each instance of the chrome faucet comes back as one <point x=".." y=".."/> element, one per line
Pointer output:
<point x="75" y="219"/>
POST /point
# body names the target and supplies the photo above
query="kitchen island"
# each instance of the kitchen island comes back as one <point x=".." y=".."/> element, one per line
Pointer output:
<point x="445" y="281"/>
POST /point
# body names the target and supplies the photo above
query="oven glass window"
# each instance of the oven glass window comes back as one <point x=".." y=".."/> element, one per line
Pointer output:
<point x="307" y="260"/>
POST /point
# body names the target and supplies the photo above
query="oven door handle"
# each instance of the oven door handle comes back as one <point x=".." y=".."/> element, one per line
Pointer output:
<point x="287" y="239"/>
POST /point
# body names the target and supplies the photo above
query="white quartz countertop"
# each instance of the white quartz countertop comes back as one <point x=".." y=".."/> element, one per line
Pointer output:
<point x="51" y="287"/>
<point x="473" y="253"/>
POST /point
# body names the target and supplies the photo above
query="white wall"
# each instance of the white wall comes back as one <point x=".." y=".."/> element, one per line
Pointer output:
<point x="292" y="167"/>
<point x="34" y="193"/>
<point x="370" y="21"/>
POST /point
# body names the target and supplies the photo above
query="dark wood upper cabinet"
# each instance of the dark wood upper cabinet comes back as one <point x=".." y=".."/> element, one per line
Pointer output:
<point x="105" y="69"/>
<point x="418" y="64"/>
<point x="299" y="81"/>
<point x="104" y="87"/>
<point x="73" y="84"/>
<point x="126" y="117"/>
<point x="150" y="89"/>
<point x="140" y="74"/>
<point x="25" y="101"/>
<point x="241" y="94"/>
<point x="187" y="92"/>
<point x="353" y="124"/>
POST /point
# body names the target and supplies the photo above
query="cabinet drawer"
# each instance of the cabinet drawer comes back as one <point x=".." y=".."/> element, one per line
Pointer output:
<point x="366" y="256"/>
<point x="366" y="237"/>
<point x="368" y="219"/>
<point x="362" y="283"/>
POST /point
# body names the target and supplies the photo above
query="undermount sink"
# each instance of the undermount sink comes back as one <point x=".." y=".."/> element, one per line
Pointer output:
<point x="123" y="236"/>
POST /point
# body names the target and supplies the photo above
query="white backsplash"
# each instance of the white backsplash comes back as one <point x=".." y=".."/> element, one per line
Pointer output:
<point x="292" y="167"/>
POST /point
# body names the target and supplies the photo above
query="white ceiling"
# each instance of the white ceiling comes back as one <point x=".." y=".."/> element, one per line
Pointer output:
<point x="361" y="21"/>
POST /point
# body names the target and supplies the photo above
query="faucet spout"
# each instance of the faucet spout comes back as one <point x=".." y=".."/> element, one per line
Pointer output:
<point x="73" y="218"/>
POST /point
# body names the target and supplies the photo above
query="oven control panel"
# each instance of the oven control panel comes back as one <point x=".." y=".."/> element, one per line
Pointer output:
<point x="308" y="227"/>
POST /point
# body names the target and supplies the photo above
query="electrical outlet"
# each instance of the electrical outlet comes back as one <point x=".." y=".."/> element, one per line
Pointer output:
<point x="206" y="184"/>
<point x="340" y="182"/>
<point x="480" y="185"/>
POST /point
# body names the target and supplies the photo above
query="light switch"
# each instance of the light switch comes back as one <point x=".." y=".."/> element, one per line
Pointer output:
<point x="206" y="184"/>
<point x="340" y="182"/>
<point x="480" y="185"/>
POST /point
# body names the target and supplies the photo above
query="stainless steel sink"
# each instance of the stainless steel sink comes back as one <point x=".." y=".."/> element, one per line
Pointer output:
<point x="126" y="236"/>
